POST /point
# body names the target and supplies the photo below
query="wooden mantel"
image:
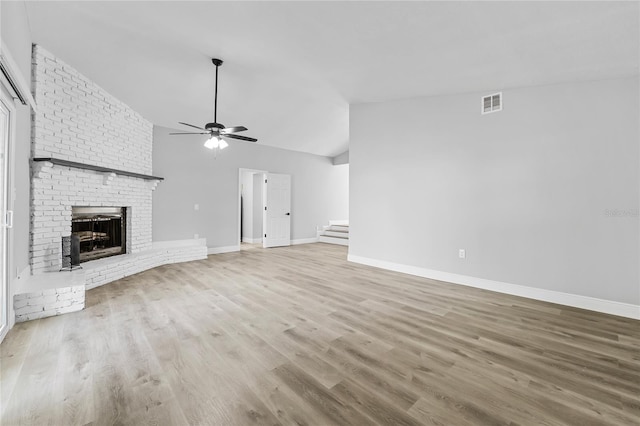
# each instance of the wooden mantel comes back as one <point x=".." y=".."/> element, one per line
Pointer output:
<point x="59" y="162"/>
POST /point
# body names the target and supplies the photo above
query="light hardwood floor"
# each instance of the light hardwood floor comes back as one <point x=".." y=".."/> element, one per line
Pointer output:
<point x="298" y="335"/>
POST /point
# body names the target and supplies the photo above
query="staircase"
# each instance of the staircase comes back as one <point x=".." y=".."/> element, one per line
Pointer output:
<point x="337" y="232"/>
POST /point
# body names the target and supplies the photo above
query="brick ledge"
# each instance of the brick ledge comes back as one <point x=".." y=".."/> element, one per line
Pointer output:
<point x="56" y="293"/>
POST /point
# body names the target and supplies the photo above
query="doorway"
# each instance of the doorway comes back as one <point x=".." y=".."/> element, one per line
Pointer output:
<point x="250" y="208"/>
<point x="264" y="206"/>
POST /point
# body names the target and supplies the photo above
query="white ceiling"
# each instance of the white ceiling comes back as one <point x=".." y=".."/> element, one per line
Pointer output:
<point x="292" y="68"/>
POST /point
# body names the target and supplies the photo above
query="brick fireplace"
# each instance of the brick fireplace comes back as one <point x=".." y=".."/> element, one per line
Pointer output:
<point x="88" y="149"/>
<point x="90" y="156"/>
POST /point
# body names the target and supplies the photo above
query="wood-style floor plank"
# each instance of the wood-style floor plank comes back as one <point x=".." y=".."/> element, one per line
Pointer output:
<point x="300" y="336"/>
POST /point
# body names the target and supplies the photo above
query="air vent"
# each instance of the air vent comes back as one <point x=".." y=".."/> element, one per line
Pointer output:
<point x="492" y="103"/>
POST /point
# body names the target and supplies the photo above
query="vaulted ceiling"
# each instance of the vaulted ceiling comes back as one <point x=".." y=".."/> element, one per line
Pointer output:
<point x="292" y="68"/>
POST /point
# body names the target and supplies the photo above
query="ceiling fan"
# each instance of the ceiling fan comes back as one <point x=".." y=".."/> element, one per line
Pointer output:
<point x="215" y="130"/>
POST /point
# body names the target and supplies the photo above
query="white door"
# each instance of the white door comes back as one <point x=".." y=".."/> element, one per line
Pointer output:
<point x="6" y="108"/>
<point x="277" y="213"/>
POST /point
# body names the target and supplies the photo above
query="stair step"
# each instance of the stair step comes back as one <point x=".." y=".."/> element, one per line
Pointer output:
<point x="333" y="225"/>
<point x="338" y="228"/>
<point x="337" y="234"/>
<point x="339" y="222"/>
<point x="333" y="240"/>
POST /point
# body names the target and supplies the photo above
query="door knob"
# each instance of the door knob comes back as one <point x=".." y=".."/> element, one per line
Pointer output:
<point x="288" y="214"/>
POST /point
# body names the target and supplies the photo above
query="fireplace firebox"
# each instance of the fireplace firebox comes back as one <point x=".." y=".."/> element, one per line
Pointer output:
<point x="101" y="231"/>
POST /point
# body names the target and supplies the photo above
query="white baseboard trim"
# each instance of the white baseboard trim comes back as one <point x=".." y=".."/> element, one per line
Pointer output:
<point x="220" y="250"/>
<point x="179" y="243"/>
<point x="577" y="301"/>
<point x="251" y="240"/>
<point x="304" y="241"/>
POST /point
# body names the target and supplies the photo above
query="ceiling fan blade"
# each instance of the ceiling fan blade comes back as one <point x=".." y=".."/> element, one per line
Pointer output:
<point x="190" y="125"/>
<point x="204" y="133"/>
<point x="242" y="138"/>
<point x="235" y="129"/>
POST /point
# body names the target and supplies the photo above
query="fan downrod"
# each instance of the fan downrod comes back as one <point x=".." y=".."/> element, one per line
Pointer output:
<point x="216" y="129"/>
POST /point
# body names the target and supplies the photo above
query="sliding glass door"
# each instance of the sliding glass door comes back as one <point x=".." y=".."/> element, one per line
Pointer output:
<point x="6" y="109"/>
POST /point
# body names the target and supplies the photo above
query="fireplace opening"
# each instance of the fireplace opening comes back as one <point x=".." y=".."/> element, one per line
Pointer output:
<point x="101" y="231"/>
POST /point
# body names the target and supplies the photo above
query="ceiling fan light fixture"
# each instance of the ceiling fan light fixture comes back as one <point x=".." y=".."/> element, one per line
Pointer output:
<point x="211" y="143"/>
<point x="216" y="130"/>
<point x="216" y="142"/>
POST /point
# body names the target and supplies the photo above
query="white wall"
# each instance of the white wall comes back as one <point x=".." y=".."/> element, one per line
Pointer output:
<point x="14" y="32"/>
<point x="340" y="189"/>
<point x="528" y="192"/>
<point x="193" y="176"/>
<point x="247" y="208"/>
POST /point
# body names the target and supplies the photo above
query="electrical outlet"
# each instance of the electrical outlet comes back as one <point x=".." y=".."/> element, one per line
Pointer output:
<point x="196" y="236"/>
<point x="196" y="207"/>
<point x="462" y="254"/>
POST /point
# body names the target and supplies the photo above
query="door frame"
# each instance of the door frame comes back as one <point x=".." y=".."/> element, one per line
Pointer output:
<point x="242" y="170"/>
<point x="6" y="204"/>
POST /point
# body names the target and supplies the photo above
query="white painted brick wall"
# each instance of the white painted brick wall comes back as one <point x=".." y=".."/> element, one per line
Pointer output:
<point x="78" y="121"/>
<point x="47" y="303"/>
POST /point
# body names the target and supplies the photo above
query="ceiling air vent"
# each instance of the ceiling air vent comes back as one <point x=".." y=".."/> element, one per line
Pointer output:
<point x="492" y="103"/>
